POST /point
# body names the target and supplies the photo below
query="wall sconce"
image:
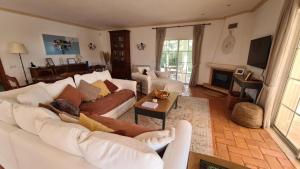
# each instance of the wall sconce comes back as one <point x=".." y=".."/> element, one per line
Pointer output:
<point x="92" y="46"/>
<point x="141" y="46"/>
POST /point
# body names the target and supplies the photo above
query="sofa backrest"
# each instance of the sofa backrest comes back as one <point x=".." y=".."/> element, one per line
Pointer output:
<point x="135" y="67"/>
<point x="92" y="77"/>
<point x="54" y="89"/>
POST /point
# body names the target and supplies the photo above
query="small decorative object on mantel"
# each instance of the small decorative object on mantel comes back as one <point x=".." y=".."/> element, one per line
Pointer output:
<point x="71" y="61"/>
<point x="239" y="71"/>
<point x="92" y="46"/>
<point x="49" y="62"/>
<point x="161" y="94"/>
<point x="141" y="46"/>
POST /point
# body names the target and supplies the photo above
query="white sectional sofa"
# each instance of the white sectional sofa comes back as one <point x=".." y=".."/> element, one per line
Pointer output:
<point x="20" y="149"/>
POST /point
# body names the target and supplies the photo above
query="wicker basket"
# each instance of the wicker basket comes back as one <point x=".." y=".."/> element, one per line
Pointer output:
<point x="247" y="114"/>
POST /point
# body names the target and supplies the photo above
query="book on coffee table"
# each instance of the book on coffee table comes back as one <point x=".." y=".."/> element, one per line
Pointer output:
<point x="150" y="105"/>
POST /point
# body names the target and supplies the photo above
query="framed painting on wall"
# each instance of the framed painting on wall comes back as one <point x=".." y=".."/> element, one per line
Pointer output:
<point x="60" y="45"/>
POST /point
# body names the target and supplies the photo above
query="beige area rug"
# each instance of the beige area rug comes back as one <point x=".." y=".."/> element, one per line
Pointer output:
<point x="196" y="111"/>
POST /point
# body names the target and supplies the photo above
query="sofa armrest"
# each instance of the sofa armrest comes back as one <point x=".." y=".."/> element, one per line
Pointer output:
<point x="125" y="84"/>
<point x="146" y="81"/>
<point x="165" y="75"/>
<point x="177" y="152"/>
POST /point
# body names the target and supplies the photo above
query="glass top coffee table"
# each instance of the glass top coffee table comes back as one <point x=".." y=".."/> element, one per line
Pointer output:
<point x="164" y="107"/>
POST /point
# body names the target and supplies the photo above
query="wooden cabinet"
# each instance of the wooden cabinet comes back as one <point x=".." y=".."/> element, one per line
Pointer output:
<point x="120" y="54"/>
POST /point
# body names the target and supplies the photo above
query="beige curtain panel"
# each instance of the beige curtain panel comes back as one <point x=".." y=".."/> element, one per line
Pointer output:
<point x="266" y="99"/>
<point x="198" y="33"/>
<point x="160" y="39"/>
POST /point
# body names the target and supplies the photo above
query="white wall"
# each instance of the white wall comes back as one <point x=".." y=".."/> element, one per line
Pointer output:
<point x="212" y="41"/>
<point x="266" y="19"/>
<point x="29" y="30"/>
<point x="251" y="25"/>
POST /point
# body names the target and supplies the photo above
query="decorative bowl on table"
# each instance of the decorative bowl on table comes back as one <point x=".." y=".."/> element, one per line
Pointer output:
<point x="161" y="94"/>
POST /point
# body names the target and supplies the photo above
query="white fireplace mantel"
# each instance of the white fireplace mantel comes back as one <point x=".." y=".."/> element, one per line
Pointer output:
<point x="224" y="66"/>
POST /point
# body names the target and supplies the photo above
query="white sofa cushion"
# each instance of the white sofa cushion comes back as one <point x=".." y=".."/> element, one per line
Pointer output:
<point x="6" y="112"/>
<point x="152" y="74"/>
<point x="93" y="77"/>
<point x="33" y="153"/>
<point x="164" y="75"/>
<point x="54" y="89"/>
<point x="111" y="151"/>
<point x="105" y="75"/>
<point x="7" y="154"/>
<point x="157" y="139"/>
<point x="89" y="78"/>
<point x="35" y="96"/>
<point x="62" y="135"/>
<point x="26" y="115"/>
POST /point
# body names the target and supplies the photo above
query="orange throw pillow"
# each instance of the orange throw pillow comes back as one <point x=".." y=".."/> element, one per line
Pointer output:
<point x="72" y="95"/>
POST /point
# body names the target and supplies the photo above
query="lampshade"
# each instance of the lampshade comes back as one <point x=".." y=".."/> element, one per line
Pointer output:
<point x="16" y="48"/>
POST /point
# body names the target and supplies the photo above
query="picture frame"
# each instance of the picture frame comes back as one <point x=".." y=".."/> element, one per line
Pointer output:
<point x="71" y="61"/>
<point x="49" y="62"/>
<point x="239" y="71"/>
<point x="248" y="76"/>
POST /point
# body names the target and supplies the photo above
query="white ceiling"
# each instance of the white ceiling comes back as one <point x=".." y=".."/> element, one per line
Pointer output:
<point x="102" y="14"/>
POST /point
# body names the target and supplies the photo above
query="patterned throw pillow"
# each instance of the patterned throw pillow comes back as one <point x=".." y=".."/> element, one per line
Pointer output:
<point x="66" y="106"/>
<point x="90" y="92"/>
<point x="104" y="90"/>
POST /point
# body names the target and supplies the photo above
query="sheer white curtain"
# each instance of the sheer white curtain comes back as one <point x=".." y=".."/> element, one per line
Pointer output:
<point x="282" y="38"/>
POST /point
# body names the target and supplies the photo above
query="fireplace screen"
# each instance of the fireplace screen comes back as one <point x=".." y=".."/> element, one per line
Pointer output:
<point x="221" y="78"/>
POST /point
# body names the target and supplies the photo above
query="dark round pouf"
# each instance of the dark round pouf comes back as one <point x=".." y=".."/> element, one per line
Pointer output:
<point x="247" y="114"/>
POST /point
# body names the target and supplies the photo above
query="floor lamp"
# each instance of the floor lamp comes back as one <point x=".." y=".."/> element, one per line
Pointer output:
<point x="18" y="48"/>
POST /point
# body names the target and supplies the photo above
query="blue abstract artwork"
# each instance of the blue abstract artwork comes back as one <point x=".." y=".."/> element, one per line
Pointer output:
<point x="61" y="45"/>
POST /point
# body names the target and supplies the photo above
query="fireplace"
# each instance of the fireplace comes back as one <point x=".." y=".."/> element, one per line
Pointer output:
<point x="221" y="78"/>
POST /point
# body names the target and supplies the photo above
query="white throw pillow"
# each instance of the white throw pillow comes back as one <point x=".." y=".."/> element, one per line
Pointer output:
<point x="111" y="151"/>
<point x="35" y="96"/>
<point x="6" y="112"/>
<point x="164" y="75"/>
<point x="152" y="74"/>
<point x="62" y="135"/>
<point x="89" y="77"/>
<point x="54" y="89"/>
<point x="105" y="75"/>
<point x="142" y="68"/>
<point x="26" y="115"/>
<point x="157" y="139"/>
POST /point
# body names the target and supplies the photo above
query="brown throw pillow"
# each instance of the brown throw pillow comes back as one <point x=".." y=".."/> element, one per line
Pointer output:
<point x="65" y="106"/>
<point x="90" y="92"/>
<point x="72" y="95"/>
<point x="111" y="87"/>
<point x="125" y="128"/>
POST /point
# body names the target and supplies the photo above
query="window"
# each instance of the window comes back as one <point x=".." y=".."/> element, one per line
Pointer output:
<point x="177" y="59"/>
<point x="287" y="121"/>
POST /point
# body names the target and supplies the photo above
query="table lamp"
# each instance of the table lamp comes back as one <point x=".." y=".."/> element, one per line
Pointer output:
<point x="18" y="48"/>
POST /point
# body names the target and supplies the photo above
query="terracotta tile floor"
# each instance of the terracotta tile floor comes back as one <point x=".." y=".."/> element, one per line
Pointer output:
<point x="253" y="148"/>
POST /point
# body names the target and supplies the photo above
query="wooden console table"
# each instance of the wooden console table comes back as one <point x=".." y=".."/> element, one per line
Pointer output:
<point x="246" y="84"/>
<point x="54" y="73"/>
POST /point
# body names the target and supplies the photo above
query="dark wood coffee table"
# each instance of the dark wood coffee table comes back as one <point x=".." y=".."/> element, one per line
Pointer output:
<point x="164" y="107"/>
